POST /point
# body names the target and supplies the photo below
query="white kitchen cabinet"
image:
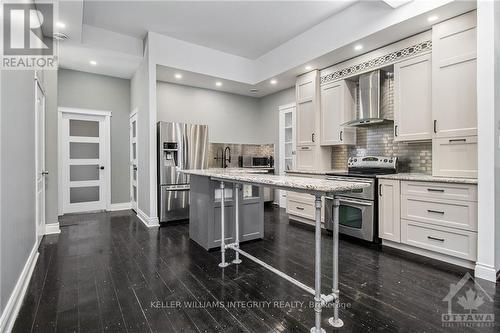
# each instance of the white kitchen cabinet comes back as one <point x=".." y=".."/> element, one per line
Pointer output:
<point x="337" y="107"/>
<point x="389" y="215"/>
<point x="455" y="157"/>
<point x="454" y="77"/>
<point x="305" y="158"/>
<point x="307" y="100"/>
<point x="413" y="99"/>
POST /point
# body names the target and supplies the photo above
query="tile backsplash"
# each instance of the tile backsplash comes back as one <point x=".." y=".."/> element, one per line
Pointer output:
<point x="255" y="150"/>
<point x="379" y="140"/>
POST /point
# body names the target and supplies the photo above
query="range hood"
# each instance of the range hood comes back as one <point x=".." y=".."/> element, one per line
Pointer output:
<point x="369" y="100"/>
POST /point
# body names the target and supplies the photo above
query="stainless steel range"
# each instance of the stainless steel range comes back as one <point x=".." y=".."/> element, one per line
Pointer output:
<point x="359" y="209"/>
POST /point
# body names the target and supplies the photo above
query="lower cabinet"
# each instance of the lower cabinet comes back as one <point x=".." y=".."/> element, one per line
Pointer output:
<point x="388" y="210"/>
<point x="301" y="207"/>
<point x="436" y="217"/>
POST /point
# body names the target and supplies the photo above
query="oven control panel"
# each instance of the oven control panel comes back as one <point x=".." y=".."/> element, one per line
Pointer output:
<point x="384" y="162"/>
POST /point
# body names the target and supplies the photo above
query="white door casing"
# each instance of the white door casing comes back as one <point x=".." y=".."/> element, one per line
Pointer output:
<point x="133" y="160"/>
<point x="84" y="160"/>
<point x="40" y="159"/>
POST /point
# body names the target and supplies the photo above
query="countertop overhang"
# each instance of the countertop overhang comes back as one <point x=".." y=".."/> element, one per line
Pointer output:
<point x="290" y="183"/>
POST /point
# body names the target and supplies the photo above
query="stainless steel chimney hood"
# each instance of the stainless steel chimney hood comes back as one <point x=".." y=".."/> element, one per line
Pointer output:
<point x="369" y="100"/>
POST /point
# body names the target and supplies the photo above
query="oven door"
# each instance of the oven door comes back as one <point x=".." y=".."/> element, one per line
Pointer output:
<point x="356" y="217"/>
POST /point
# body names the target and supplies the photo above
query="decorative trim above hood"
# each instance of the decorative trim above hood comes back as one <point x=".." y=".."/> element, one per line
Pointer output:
<point x="378" y="62"/>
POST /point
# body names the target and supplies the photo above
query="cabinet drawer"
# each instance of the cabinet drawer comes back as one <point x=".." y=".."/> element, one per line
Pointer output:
<point x="450" y="191"/>
<point x="447" y="213"/>
<point x="301" y="197"/>
<point x="301" y="209"/>
<point x="455" y="157"/>
<point x="457" y="243"/>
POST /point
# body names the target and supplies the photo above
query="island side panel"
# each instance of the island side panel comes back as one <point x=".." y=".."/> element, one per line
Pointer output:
<point x="200" y="208"/>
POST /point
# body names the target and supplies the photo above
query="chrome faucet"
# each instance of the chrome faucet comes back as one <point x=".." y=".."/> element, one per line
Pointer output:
<point x="225" y="156"/>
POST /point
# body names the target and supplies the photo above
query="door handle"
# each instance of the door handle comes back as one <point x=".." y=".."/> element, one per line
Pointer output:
<point x="101" y="167"/>
<point x="341" y="139"/>
<point x="435" y="126"/>
<point x="45" y="173"/>
<point x="135" y="168"/>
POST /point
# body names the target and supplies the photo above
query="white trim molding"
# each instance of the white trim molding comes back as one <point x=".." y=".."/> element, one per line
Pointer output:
<point x="65" y="109"/>
<point x="120" y="206"/>
<point x="149" y="222"/>
<point x="485" y="272"/>
<point x="16" y="298"/>
<point x="52" y="228"/>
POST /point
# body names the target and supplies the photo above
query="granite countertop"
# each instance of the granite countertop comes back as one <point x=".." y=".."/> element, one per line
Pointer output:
<point x="316" y="172"/>
<point x="293" y="183"/>
<point x="428" y="178"/>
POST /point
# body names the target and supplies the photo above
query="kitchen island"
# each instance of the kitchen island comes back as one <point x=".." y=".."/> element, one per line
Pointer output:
<point x="316" y="187"/>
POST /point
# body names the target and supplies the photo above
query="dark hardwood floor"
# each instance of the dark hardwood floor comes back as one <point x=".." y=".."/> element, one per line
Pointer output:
<point x="108" y="272"/>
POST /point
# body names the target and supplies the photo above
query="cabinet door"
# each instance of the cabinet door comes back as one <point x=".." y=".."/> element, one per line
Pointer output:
<point x="305" y="158"/>
<point x="455" y="157"/>
<point x="412" y="99"/>
<point x="389" y="219"/>
<point x="337" y="107"/>
<point x="307" y="100"/>
<point x="454" y="77"/>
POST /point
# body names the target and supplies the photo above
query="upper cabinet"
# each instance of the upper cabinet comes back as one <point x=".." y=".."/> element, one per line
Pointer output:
<point x="337" y="107"/>
<point x="412" y="99"/>
<point x="307" y="99"/>
<point x="454" y="77"/>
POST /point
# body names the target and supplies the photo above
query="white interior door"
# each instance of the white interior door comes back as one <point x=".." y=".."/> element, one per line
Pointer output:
<point x="85" y="162"/>
<point x="133" y="161"/>
<point x="40" y="160"/>
<point x="288" y="144"/>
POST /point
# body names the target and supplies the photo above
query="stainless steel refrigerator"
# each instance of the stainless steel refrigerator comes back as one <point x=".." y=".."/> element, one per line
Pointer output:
<point x="180" y="146"/>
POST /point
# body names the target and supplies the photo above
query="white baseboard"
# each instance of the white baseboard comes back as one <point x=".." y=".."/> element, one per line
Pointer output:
<point x="148" y="221"/>
<point x="16" y="298"/>
<point x="120" y="206"/>
<point x="485" y="272"/>
<point x="52" y="228"/>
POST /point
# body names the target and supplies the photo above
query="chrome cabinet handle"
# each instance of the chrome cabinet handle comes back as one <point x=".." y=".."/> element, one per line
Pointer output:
<point x="435" y="211"/>
<point x="436" y="239"/>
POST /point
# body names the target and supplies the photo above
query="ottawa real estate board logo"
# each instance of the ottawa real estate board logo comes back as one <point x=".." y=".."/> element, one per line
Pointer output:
<point x="27" y="35"/>
<point x="469" y="305"/>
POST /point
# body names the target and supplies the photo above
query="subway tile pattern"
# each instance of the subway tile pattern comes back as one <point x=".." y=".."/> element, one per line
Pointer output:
<point x="415" y="157"/>
<point x="215" y="151"/>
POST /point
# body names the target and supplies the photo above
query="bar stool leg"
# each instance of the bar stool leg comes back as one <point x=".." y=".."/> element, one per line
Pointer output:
<point x="317" y="268"/>
<point x="335" y="321"/>
<point x="237" y="260"/>
<point x="222" y="231"/>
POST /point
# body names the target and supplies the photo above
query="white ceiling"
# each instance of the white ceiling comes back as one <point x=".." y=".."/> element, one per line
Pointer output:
<point x="245" y="28"/>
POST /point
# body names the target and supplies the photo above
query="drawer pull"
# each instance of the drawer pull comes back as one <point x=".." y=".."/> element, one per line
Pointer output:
<point x="299" y="208"/>
<point x="435" y="190"/>
<point x="436" y="239"/>
<point x="435" y="211"/>
<point x="457" y="140"/>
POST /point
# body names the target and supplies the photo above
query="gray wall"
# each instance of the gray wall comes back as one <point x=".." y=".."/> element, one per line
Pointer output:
<point x="100" y="92"/>
<point x="231" y="118"/>
<point x="17" y="174"/>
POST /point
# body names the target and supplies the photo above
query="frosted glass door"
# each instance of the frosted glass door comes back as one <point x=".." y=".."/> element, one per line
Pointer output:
<point x="84" y="155"/>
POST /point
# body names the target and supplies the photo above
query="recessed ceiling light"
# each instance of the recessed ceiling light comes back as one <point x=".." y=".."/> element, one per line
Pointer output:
<point x="93" y="62"/>
<point x="273" y="81"/>
<point x="432" y="18"/>
<point x="218" y="83"/>
<point x="61" y="25"/>
<point x="178" y="76"/>
<point x="308" y="68"/>
<point x="358" y="47"/>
